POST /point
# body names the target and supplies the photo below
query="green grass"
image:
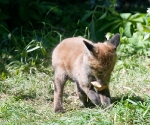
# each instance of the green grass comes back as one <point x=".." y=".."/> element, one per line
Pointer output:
<point x="27" y="98"/>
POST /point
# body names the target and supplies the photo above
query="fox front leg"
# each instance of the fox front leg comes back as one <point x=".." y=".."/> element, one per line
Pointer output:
<point x="92" y="95"/>
<point x="105" y="97"/>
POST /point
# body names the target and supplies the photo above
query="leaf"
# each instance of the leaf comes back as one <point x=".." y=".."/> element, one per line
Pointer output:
<point x="146" y="29"/>
<point x="147" y="37"/>
<point x="137" y="18"/>
<point x="125" y="16"/>
<point x="134" y="103"/>
<point x="139" y="26"/>
<point x="86" y="16"/>
<point x="141" y="20"/>
<point x="4" y="108"/>
<point x="108" y="35"/>
<point x="92" y="28"/>
<point x="121" y="31"/>
<point x="138" y="36"/>
<point x="103" y="16"/>
<point x="35" y="48"/>
<point x="132" y="40"/>
<point x="56" y="10"/>
<point x="148" y="109"/>
<point x="115" y="26"/>
<point x="105" y="25"/>
<point x="127" y="29"/>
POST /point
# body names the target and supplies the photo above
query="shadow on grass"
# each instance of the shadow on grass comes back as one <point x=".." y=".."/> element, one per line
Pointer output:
<point x="25" y="96"/>
<point x="122" y="98"/>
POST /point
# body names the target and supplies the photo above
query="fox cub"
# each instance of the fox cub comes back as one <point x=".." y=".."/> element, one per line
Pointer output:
<point x="83" y="61"/>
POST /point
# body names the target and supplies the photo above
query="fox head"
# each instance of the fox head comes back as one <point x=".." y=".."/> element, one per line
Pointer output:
<point x="100" y="59"/>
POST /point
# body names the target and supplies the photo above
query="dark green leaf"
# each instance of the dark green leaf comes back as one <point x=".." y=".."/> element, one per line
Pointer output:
<point x="4" y="1"/>
<point x="106" y="25"/>
<point x="103" y="16"/>
<point x="92" y="27"/>
<point x="86" y="16"/>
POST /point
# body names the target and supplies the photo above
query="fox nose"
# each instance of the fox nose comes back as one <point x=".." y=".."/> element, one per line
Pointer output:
<point x="99" y="81"/>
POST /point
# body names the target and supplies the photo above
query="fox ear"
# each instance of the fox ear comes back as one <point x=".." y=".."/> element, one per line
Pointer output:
<point x="90" y="47"/>
<point x="115" y="40"/>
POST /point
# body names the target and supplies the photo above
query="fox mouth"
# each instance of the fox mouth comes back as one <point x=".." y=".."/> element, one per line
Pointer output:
<point x="98" y="87"/>
<point x="93" y="79"/>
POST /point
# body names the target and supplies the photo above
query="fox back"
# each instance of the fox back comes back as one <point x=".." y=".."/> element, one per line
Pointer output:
<point x="83" y="61"/>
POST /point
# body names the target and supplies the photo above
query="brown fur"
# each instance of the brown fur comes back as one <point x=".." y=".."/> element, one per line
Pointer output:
<point x="82" y="61"/>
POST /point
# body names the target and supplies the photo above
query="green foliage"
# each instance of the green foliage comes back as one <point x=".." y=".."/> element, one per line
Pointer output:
<point x="20" y="36"/>
<point x="32" y="15"/>
<point x="105" y="20"/>
<point x="26" y="11"/>
<point x="31" y="29"/>
<point x="138" y="44"/>
<point x="27" y="51"/>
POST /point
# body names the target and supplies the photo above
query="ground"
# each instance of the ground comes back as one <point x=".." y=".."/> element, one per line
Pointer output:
<point x="27" y="98"/>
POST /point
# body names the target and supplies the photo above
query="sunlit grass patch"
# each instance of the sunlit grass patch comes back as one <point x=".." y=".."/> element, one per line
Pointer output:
<point x="27" y="98"/>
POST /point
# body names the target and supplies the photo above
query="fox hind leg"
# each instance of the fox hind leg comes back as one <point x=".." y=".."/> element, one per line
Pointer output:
<point x="59" y="82"/>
